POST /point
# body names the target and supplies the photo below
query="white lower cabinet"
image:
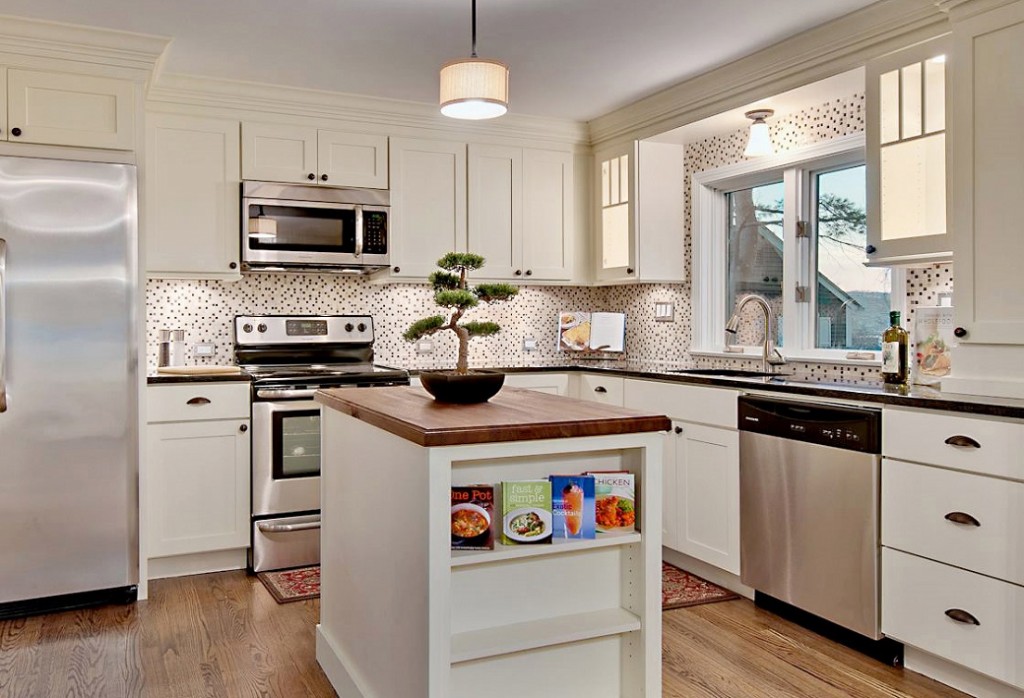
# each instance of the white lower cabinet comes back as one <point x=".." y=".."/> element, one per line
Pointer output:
<point x="197" y="476"/>
<point x="553" y="383"/>
<point x="701" y="497"/>
<point x="599" y="387"/>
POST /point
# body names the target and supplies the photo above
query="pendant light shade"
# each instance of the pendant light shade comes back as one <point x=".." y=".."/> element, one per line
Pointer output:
<point x="760" y="143"/>
<point x="474" y="88"/>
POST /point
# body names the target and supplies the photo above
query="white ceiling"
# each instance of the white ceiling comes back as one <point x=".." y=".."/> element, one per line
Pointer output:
<point x="574" y="59"/>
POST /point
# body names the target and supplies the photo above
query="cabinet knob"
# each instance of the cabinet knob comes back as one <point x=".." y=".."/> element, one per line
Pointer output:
<point x="398" y="269"/>
<point x="960" y="332"/>
<point x="529" y="272"/>
<point x="311" y="177"/>
<point x="244" y="428"/>
<point x="233" y="265"/>
<point x="678" y="430"/>
<point x="870" y="249"/>
<point x="629" y="270"/>
<point x="519" y="272"/>
<point x="323" y="178"/>
<point x="15" y="131"/>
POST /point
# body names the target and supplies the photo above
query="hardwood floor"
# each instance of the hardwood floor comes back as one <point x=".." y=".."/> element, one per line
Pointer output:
<point x="222" y="635"/>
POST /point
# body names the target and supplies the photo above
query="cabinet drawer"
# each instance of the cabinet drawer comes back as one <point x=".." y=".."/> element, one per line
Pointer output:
<point x="193" y="401"/>
<point x="916" y="499"/>
<point x="600" y="388"/>
<point x="687" y="403"/>
<point x="918" y="597"/>
<point x="976" y="444"/>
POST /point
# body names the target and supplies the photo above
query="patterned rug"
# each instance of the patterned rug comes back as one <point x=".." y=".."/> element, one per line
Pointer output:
<point x="292" y="585"/>
<point x="680" y="589"/>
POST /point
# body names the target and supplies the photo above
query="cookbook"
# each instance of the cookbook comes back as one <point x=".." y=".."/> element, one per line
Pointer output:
<point x="525" y="512"/>
<point x="572" y="506"/>
<point x="614" y="502"/>
<point x="582" y="331"/>
<point x="933" y="339"/>
<point x="472" y="516"/>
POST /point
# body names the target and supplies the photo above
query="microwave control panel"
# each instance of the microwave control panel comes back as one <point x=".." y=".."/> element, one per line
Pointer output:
<point x="375" y="232"/>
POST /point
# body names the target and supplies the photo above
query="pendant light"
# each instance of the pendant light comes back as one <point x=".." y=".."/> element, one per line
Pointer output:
<point x="474" y="88"/>
<point x="760" y="142"/>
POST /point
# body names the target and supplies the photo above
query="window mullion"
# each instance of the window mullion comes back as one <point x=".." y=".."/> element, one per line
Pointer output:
<point x="793" y="325"/>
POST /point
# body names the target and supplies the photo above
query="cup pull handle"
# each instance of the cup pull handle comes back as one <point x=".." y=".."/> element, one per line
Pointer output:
<point x="964" y="441"/>
<point x="196" y="401"/>
<point x="600" y="389"/>
<point x="959" y="517"/>
<point x="962" y="616"/>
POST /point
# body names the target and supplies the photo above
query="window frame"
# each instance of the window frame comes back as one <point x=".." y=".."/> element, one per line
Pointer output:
<point x="797" y="169"/>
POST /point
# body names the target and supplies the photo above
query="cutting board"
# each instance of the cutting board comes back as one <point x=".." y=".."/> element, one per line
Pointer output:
<point x="199" y="370"/>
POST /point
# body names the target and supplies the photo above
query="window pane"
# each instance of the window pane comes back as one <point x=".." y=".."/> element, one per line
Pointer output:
<point x="755" y="256"/>
<point x="853" y="301"/>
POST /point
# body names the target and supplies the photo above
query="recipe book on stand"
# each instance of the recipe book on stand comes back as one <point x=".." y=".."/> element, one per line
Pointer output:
<point x="591" y="332"/>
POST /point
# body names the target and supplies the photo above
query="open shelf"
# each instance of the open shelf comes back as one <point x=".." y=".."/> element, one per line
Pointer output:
<point x="518" y="637"/>
<point x="461" y="558"/>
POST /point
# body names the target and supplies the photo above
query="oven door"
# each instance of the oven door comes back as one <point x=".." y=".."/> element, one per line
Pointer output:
<point x="285" y="457"/>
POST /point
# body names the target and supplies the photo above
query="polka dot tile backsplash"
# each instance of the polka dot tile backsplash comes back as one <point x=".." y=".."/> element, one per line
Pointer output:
<point x="205" y="309"/>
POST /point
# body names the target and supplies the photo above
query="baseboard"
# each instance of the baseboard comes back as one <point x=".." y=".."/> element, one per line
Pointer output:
<point x="711" y="573"/>
<point x="197" y="563"/>
<point x="329" y="658"/>
<point x="959" y="677"/>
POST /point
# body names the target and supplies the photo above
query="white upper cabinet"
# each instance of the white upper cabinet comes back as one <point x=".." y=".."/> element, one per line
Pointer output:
<point x="521" y="212"/>
<point x="639" y="213"/>
<point x="66" y="109"/>
<point x="987" y="177"/>
<point x="906" y="155"/>
<point x="428" y="204"/>
<point x="307" y="155"/>
<point x="191" y="204"/>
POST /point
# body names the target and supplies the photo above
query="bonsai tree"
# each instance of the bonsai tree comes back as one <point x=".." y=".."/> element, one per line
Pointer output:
<point x="452" y="291"/>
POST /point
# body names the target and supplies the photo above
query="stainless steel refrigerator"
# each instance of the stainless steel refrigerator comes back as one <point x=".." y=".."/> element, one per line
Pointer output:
<point x="68" y="385"/>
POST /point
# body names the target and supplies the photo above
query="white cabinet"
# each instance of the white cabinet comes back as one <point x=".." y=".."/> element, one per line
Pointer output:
<point x="551" y="383"/>
<point x="66" y="109"/>
<point x="308" y="155"/>
<point x="428" y="204"/>
<point x="701" y="499"/>
<point x="196" y="494"/>
<point x="521" y="215"/>
<point x="906" y="155"/>
<point x="191" y="203"/>
<point x="640" y="214"/>
<point x="602" y="388"/>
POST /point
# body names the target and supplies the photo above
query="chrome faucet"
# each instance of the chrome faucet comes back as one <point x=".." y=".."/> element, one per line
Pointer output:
<point x="771" y="356"/>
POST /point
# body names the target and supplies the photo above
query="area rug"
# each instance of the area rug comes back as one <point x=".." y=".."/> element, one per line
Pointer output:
<point x="292" y="585"/>
<point x="680" y="589"/>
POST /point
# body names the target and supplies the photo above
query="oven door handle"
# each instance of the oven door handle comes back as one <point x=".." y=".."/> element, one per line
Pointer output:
<point x="287" y="528"/>
<point x="285" y="393"/>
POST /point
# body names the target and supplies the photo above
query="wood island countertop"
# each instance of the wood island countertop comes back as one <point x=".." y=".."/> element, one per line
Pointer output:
<point x="512" y="415"/>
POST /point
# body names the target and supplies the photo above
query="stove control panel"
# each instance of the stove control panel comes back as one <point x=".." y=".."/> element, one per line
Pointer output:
<point x="253" y="330"/>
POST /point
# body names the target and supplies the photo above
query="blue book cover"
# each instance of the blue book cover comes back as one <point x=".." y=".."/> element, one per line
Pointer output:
<point x="572" y="506"/>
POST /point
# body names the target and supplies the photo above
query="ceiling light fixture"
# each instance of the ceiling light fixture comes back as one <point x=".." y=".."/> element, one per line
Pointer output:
<point x="474" y="88"/>
<point x="760" y="142"/>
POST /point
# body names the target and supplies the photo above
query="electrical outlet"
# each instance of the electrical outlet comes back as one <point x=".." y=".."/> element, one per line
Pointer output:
<point x="664" y="312"/>
<point x="204" y="350"/>
<point x="529" y="344"/>
<point x="424" y="346"/>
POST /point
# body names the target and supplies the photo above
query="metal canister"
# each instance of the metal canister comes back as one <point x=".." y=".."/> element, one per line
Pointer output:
<point x="171" y="350"/>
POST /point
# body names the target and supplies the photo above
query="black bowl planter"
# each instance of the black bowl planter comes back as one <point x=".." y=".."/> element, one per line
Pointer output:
<point x="463" y="389"/>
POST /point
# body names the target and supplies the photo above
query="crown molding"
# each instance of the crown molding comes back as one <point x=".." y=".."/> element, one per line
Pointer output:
<point x="841" y="45"/>
<point x="962" y="9"/>
<point x="270" y="101"/>
<point x="56" y="40"/>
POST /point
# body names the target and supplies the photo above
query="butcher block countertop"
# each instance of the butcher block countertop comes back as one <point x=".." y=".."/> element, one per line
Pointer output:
<point x="511" y="415"/>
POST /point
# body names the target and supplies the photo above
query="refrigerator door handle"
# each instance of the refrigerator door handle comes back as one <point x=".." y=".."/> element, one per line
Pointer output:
<point x="3" y="324"/>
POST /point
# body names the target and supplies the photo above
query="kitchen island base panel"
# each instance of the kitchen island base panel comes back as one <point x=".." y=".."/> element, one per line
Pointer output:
<point x="519" y="624"/>
<point x="956" y="675"/>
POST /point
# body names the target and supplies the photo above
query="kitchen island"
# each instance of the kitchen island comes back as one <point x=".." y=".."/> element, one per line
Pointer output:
<point x="403" y="616"/>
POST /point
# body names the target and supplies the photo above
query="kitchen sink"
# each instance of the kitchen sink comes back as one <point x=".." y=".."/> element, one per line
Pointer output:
<point x="727" y="372"/>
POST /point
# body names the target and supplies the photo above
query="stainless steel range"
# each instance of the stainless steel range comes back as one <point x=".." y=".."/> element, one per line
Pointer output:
<point x="291" y="357"/>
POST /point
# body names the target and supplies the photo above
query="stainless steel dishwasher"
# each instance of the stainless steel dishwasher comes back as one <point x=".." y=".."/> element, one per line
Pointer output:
<point x="809" y="508"/>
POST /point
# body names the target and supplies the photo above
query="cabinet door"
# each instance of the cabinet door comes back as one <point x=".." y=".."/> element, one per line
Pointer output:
<point x="77" y="110"/>
<point x="548" y="215"/>
<point x="614" y="220"/>
<point x="198" y="486"/>
<point x="986" y="184"/>
<point x="670" y="489"/>
<point x="352" y="159"/>
<point x="906" y="155"/>
<point x="279" y="153"/>
<point x="496" y="208"/>
<point x="707" y="492"/>
<point x="191" y="205"/>
<point x="428" y="204"/>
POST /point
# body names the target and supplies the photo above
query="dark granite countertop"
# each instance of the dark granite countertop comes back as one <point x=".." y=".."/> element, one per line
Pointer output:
<point x="916" y="396"/>
<point x="154" y="378"/>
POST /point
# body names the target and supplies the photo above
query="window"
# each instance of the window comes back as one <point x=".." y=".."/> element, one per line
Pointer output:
<point x="792" y="229"/>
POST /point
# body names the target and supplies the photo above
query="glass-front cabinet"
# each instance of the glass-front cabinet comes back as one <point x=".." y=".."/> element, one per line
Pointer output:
<point x="906" y="154"/>
<point x="616" y="244"/>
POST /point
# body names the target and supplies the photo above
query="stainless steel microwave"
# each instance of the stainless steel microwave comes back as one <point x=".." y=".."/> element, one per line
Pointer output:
<point x="292" y="227"/>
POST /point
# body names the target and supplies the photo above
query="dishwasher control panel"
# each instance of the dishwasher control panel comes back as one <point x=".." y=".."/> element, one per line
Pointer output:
<point x="849" y="428"/>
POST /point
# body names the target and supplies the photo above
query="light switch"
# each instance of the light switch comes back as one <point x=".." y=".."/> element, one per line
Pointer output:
<point x="204" y="350"/>
<point x="529" y="344"/>
<point x="664" y="312"/>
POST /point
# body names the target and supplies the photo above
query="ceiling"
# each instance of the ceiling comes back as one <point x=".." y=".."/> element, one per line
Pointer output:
<point x="572" y="59"/>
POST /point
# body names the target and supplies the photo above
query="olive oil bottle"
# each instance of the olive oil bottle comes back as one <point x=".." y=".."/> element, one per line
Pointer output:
<point x="895" y="352"/>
